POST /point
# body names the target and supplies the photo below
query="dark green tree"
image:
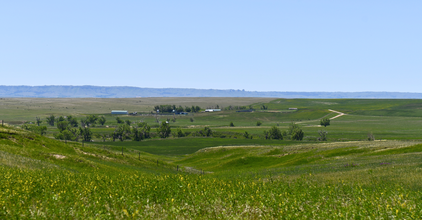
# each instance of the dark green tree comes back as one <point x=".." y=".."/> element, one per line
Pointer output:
<point x="38" y="121"/>
<point x="275" y="133"/>
<point x="297" y="134"/>
<point x="86" y="134"/>
<point x="91" y="119"/>
<point x="67" y="135"/>
<point x="50" y="120"/>
<point x="325" y="122"/>
<point x="137" y="134"/>
<point x="62" y="125"/>
<point x="231" y="124"/>
<point x="164" y="130"/>
<point x="246" y="135"/>
<point x="119" y="121"/>
<point x="258" y="123"/>
<point x="73" y="122"/>
<point x="102" y="120"/>
<point x="179" y="133"/>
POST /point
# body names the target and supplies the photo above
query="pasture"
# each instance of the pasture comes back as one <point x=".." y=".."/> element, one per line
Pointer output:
<point x="224" y="175"/>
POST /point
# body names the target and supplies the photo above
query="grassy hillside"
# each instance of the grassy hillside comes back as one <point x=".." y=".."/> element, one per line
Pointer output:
<point x="45" y="178"/>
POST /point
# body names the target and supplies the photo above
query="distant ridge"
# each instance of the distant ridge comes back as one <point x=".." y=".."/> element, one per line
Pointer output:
<point x="133" y="92"/>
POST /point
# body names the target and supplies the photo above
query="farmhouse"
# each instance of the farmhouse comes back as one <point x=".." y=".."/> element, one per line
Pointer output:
<point x="212" y="110"/>
<point x="119" y="112"/>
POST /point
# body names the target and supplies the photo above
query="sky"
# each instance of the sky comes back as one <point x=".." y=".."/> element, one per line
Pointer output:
<point x="307" y="46"/>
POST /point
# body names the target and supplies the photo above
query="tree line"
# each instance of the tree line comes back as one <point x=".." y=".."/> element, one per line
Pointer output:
<point x="170" y="108"/>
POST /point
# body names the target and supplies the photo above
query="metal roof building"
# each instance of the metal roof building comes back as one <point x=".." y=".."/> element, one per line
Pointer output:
<point x="119" y="112"/>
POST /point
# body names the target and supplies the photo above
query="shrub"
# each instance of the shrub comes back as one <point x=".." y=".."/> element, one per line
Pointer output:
<point x="325" y="122"/>
<point x="231" y="124"/>
<point x="322" y="135"/>
<point x="258" y="123"/>
<point x="297" y="134"/>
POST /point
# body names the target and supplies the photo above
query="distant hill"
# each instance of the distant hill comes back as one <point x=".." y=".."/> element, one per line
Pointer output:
<point x="132" y="92"/>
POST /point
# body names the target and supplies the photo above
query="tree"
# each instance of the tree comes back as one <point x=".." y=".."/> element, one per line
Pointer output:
<point x="164" y="130"/>
<point x="145" y="129"/>
<point x="322" y="135"/>
<point x="293" y="126"/>
<point x="50" y="120"/>
<point x="188" y="109"/>
<point x="137" y="134"/>
<point x="91" y="119"/>
<point x="246" y="135"/>
<point x="102" y="120"/>
<point x="102" y="136"/>
<point x="86" y="134"/>
<point x="73" y="122"/>
<point x="122" y="131"/>
<point x="231" y="124"/>
<point x="297" y="134"/>
<point x="180" y="133"/>
<point x="206" y="132"/>
<point x="62" y="125"/>
<point x="84" y="122"/>
<point x="275" y="133"/>
<point x="59" y="119"/>
<point x="119" y="121"/>
<point x="371" y="136"/>
<point x="258" y="123"/>
<point x="38" y="121"/>
<point x="127" y="122"/>
<point x="67" y="135"/>
<point x="191" y="119"/>
<point x="324" y="122"/>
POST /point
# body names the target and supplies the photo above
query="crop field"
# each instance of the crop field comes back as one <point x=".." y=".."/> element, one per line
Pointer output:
<point x="211" y="165"/>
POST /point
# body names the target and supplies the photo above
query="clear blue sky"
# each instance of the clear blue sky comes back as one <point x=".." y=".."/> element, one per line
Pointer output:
<point x="253" y="45"/>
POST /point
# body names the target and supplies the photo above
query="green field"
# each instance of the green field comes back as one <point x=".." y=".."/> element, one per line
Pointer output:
<point x="224" y="175"/>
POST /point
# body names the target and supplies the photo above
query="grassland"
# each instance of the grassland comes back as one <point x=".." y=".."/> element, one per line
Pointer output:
<point x="346" y="177"/>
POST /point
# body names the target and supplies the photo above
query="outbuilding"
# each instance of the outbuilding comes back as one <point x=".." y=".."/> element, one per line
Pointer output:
<point x="212" y="110"/>
<point x="119" y="112"/>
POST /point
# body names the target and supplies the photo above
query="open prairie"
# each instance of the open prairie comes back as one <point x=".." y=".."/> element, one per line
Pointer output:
<point x="211" y="165"/>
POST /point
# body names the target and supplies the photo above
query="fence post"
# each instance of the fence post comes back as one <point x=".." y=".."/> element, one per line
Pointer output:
<point x="177" y="167"/>
<point x="82" y="143"/>
<point x="157" y="162"/>
<point x="122" y="151"/>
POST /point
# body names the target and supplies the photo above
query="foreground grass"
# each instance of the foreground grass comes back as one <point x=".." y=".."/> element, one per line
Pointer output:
<point x="57" y="194"/>
<point x="44" y="178"/>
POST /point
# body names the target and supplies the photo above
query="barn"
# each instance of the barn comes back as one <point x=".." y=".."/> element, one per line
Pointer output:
<point x="119" y="112"/>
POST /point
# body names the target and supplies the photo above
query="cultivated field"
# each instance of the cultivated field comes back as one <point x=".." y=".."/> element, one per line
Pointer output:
<point x="368" y="168"/>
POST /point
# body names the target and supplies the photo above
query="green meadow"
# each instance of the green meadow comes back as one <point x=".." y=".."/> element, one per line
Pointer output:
<point x="234" y="172"/>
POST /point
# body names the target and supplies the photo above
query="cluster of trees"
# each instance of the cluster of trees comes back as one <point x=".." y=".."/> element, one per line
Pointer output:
<point x="294" y="133"/>
<point x="41" y="130"/>
<point x="170" y="108"/>
<point x="72" y="121"/>
<point x="123" y="132"/>
<point x="230" y="107"/>
<point x="74" y="134"/>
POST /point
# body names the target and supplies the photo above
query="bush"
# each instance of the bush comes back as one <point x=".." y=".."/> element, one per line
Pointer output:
<point x="371" y="137"/>
<point x="258" y="123"/>
<point x="297" y="134"/>
<point x="231" y="124"/>
<point x="322" y="135"/>
<point x="273" y="133"/>
<point x="325" y="122"/>
<point x="164" y="130"/>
